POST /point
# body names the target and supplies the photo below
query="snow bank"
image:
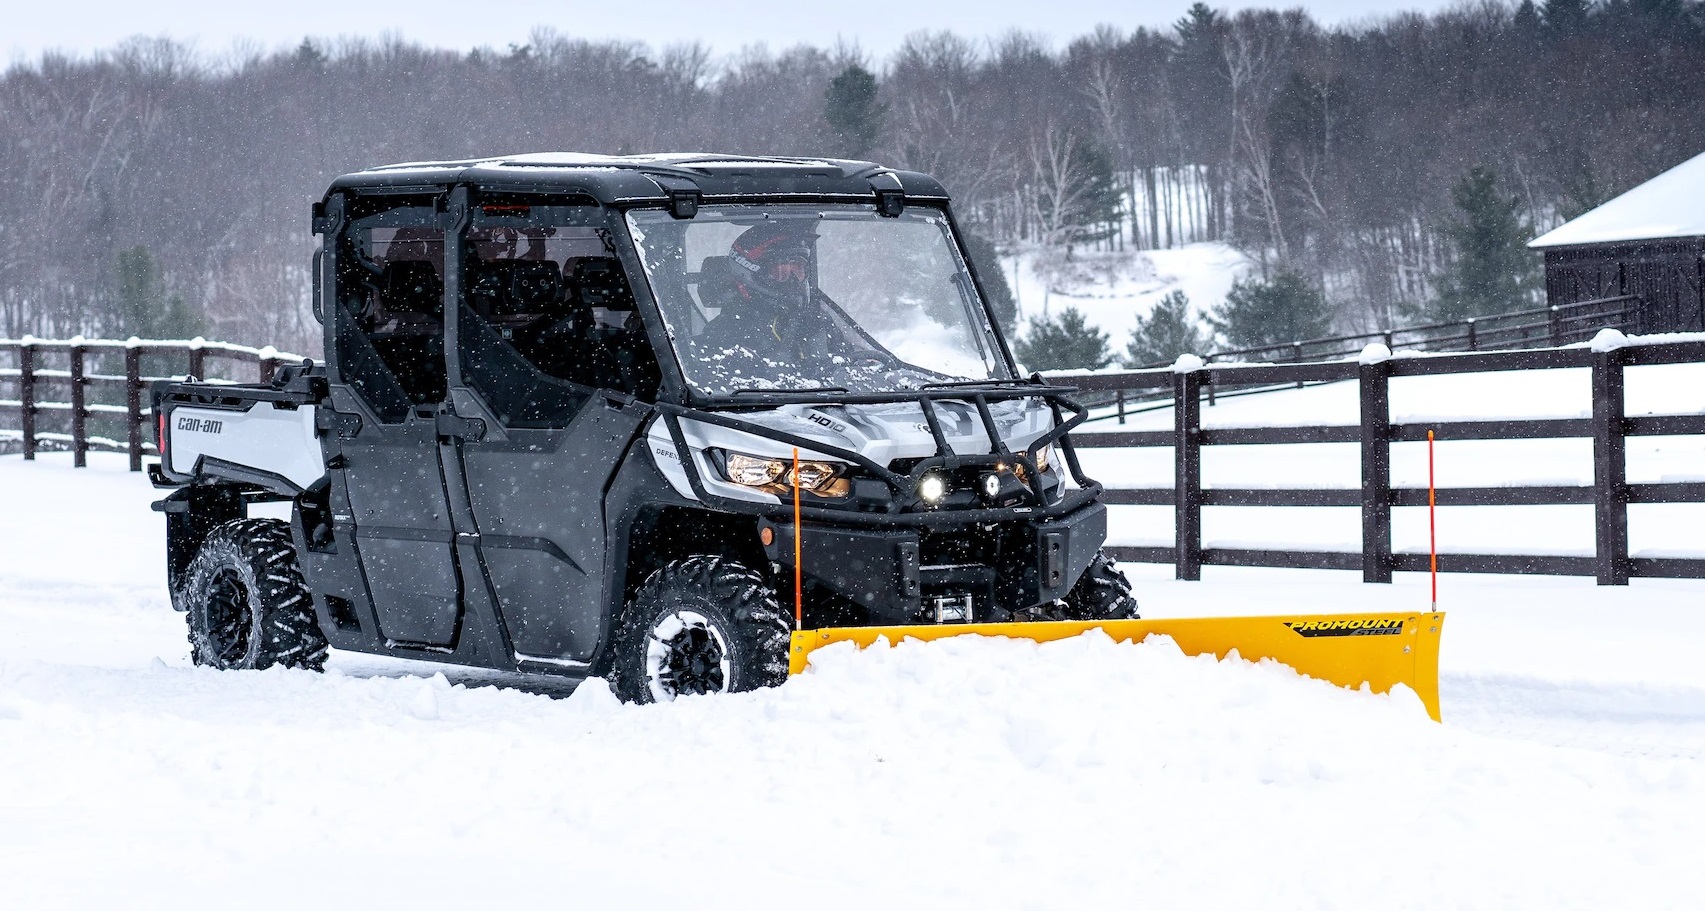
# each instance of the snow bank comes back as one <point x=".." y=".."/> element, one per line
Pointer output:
<point x="963" y="773"/>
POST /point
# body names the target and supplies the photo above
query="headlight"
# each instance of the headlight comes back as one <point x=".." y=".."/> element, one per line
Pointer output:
<point x="1043" y="457"/>
<point x="932" y="488"/>
<point x="775" y="476"/>
<point x="753" y="471"/>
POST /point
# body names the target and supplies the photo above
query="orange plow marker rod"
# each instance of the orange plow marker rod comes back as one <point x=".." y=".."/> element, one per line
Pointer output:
<point x="798" y="551"/>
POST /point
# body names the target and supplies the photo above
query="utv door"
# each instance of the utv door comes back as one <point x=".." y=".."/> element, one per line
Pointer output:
<point x="389" y="337"/>
<point x="550" y="347"/>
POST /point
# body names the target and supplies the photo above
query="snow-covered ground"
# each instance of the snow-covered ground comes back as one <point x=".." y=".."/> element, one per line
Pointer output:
<point x="1112" y="289"/>
<point x="1569" y="771"/>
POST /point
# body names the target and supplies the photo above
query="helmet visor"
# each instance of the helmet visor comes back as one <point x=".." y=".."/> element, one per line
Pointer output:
<point x="786" y="272"/>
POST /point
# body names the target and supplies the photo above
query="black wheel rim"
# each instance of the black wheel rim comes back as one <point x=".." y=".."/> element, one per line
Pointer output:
<point x="689" y="659"/>
<point x="229" y="619"/>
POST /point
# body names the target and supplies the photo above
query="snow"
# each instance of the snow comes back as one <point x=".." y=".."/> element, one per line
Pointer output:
<point x="1608" y="340"/>
<point x="1671" y="204"/>
<point x="1375" y="353"/>
<point x="1112" y="289"/>
<point x="1187" y="363"/>
<point x="964" y="773"/>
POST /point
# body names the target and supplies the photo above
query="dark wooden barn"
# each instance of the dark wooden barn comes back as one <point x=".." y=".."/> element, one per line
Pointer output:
<point x="1647" y="244"/>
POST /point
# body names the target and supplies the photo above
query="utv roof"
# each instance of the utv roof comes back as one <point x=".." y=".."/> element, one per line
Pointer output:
<point x="628" y="180"/>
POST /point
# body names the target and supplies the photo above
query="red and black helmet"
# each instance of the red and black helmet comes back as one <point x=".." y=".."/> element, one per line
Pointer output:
<point x="773" y="258"/>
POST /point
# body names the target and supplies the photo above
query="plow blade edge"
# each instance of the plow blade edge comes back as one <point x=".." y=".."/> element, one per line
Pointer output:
<point x="1380" y="650"/>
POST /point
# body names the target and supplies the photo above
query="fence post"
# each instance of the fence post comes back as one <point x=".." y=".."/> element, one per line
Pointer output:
<point x="1187" y="458"/>
<point x="1375" y="394"/>
<point x="133" y="400"/>
<point x="197" y="359"/>
<point x="1473" y="341"/>
<point x="1297" y="348"/>
<point x="27" y="394"/>
<point x="1610" y="489"/>
<point x="1121" y="396"/>
<point x="1556" y="328"/>
<point x="268" y="364"/>
<point x="79" y="407"/>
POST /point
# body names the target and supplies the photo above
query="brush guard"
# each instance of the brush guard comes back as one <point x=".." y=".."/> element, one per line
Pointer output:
<point x="903" y="507"/>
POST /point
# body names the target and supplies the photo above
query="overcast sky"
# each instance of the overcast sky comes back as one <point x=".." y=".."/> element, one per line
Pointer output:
<point x="878" y="26"/>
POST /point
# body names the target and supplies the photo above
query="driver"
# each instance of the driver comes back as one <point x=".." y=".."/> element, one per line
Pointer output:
<point x="767" y="305"/>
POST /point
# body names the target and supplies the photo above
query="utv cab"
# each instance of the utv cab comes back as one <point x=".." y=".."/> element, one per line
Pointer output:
<point x="638" y="417"/>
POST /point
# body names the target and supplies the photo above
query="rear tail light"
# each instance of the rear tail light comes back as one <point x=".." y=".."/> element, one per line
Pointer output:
<point x="160" y="437"/>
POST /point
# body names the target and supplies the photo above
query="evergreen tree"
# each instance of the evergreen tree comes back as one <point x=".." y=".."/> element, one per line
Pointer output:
<point x="1526" y="18"/>
<point x="1101" y="209"/>
<point x="1283" y="310"/>
<point x="1165" y="333"/>
<point x="1065" y="342"/>
<point x="1493" y="271"/>
<point x="853" y="112"/>
<point x="309" y="56"/>
<point x="1565" y="17"/>
<point x="142" y="307"/>
<point x="987" y="261"/>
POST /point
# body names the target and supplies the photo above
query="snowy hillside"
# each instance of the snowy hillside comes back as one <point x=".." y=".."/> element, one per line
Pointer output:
<point x="961" y="774"/>
<point x="1112" y="289"/>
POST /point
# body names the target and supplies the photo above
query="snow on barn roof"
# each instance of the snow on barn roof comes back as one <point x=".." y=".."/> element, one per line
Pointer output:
<point x="1671" y="204"/>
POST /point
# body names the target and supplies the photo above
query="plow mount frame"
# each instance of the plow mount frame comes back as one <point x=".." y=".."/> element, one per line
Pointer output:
<point x="1380" y="650"/>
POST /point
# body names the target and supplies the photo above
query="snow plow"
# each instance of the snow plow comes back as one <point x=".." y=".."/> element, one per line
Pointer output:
<point x="582" y="415"/>
<point x="1379" y="651"/>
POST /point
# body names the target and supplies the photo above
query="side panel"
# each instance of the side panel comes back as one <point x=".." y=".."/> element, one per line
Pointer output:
<point x="265" y="437"/>
<point x="539" y="500"/>
<point x="403" y="531"/>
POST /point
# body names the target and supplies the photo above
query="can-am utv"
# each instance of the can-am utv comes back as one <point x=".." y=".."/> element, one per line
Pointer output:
<point x="630" y="416"/>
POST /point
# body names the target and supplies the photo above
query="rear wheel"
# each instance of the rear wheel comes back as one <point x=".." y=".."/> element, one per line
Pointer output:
<point x="700" y="625"/>
<point x="1102" y="593"/>
<point x="246" y="603"/>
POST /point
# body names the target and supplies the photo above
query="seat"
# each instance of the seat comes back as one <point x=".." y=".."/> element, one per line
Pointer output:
<point x="413" y="286"/>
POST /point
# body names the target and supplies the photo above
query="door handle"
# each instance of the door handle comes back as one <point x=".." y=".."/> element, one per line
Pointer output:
<point x="451" y="427"/>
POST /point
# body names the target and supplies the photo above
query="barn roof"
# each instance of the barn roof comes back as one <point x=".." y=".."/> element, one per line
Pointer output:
<point x="1671" y="204"/>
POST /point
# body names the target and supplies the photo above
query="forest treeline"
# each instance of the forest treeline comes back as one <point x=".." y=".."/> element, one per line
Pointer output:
<point x="149" y="180"/>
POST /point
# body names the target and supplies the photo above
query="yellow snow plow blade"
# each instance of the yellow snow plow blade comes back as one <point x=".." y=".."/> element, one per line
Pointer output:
<point x="1380" y="650"/>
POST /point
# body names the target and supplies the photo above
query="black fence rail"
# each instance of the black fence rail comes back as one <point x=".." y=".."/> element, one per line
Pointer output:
<point x="1609" y="427"/>
<point x="102" y="382"/>
<point x="1564" y="324"/>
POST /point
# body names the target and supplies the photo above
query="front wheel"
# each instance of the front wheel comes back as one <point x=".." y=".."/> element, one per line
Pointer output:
<point x="1102" y="593"/>
<point x="246" y="603"/>
<point x="700" y="625"/>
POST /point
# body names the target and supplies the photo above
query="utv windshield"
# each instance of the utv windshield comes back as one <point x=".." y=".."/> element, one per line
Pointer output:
<point x="797" y="297"/>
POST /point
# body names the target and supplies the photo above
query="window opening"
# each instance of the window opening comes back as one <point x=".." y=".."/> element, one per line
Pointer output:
<point x="548" y="314"/>
<point x="390" y="334"/>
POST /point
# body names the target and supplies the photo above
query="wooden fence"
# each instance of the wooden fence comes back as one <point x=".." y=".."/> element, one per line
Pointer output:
<point x="103" y="383"/>
<point x="1610" y="494"/>
<point x="81" y="369"/>
<point x="1562" y="324"/>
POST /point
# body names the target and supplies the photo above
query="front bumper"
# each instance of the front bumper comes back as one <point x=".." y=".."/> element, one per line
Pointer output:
<point x="905" y="574"/>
